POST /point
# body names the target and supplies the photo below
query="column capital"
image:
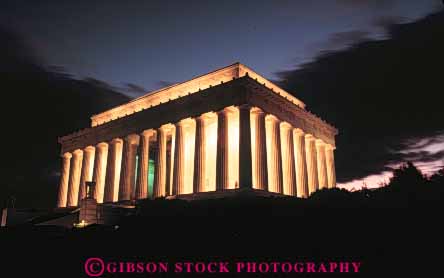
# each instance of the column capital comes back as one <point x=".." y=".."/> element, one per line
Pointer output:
<point x="67" y="155"/>
<point x="89" y="149"/>
<point x="116" y="140"/>
<point x="330" y="147"/>
<point x="77" y="152"/>
<point x="147" y="133"/>
<point x="101" y="145"/>
<point x="299" y="131"/>
<point x="185" y="122"/>
<point x="271" y="118"/>
<point x="286" y="125"/>
<point x="257" y="111"/>
<point x="206" y="116"/>
<point x="132" y="139"/>
<point x="227" y="110"/>
<point x="166" y="128"/>
<point x="319" y="142"/>
<point x="308" y="136"/>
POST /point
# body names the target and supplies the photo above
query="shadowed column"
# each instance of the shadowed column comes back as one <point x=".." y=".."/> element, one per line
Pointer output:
<point x="275" y="166"/>
<point x="74" y="178"/>
<point x="222" y="175"/>
<point x="113" y="170"/>
<point x="64" y="179"/>
<point x="245" y="159"/>
<point x="160" y="170"/>
<point x="179" y="159"/>
<point x="128" y="172"/>
<point x="320" y="159"/>
<point x="199" y="155"/>
<point x="87" y="170"/>
<point x="142" y="177"/>
<point x="312" y="170"/>
<point x="288" y="167"/>
<point x="330" y="164"/>
<point x="260" y="171"/>
<point x="171" y="143"/>
<point x="99" y="173"/>
<point x="300" y="161"/>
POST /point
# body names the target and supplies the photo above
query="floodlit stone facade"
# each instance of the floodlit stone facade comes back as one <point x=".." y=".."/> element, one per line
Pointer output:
<point x="228" y="130"/>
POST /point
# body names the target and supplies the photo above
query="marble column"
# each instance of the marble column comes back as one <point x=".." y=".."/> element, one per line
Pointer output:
<point x="245" y="159"/>
<point x="171" y="143"/>
<point x="260" y="171"/>
<point x="113" y="171"/>
<point x="300" y="163"/>
<point x="64" y="179"/>
<point x="142" y="177"/>
<point x="87" y="170"/>
<point x="222" y="152"/>
<point x="179" y="159"/>
<point x="312" y="169"/>
<point x="330" y="165"/>
<point x="74" y="178"/>
<point x="99" y="173"/>
<point x="199" y="155"/>
<point x="322" y="168"/>
<point x="128" y="171"/>
<point x="275" y="167"/>
<point x="288" y="165"/>
<point x="160" y="169"/>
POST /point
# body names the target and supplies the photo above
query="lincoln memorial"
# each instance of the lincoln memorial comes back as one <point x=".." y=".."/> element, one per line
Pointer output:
<point x="227" y="131"/>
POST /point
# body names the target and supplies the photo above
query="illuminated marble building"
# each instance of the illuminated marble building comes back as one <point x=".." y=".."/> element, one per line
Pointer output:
<point x="227" y="131"/>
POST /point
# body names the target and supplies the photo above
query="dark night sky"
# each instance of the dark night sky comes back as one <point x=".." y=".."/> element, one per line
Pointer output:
<point x="369" y="67"/>
<point x="150" y="43"/>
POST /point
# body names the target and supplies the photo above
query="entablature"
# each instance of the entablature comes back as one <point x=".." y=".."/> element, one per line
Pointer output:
<point x="244" y="90"/>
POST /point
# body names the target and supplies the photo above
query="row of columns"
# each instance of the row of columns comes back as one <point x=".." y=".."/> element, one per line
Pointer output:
<point x="288" y="161"/>
<point x="112" y="167"/>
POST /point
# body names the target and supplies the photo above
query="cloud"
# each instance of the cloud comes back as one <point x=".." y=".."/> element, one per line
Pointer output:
<point x="163" y="83"/>
<point x="429" y="150"/>
<point x="386" y="22"/>
<point x="429" y="143"/>
<point x="348" y="38"/>
<point x="336" y="41"/>
<point x="40" y="103"/>
<point x="133" y="88"/>
<point x="380" y="94"/>
<point x="373" y="4"/>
